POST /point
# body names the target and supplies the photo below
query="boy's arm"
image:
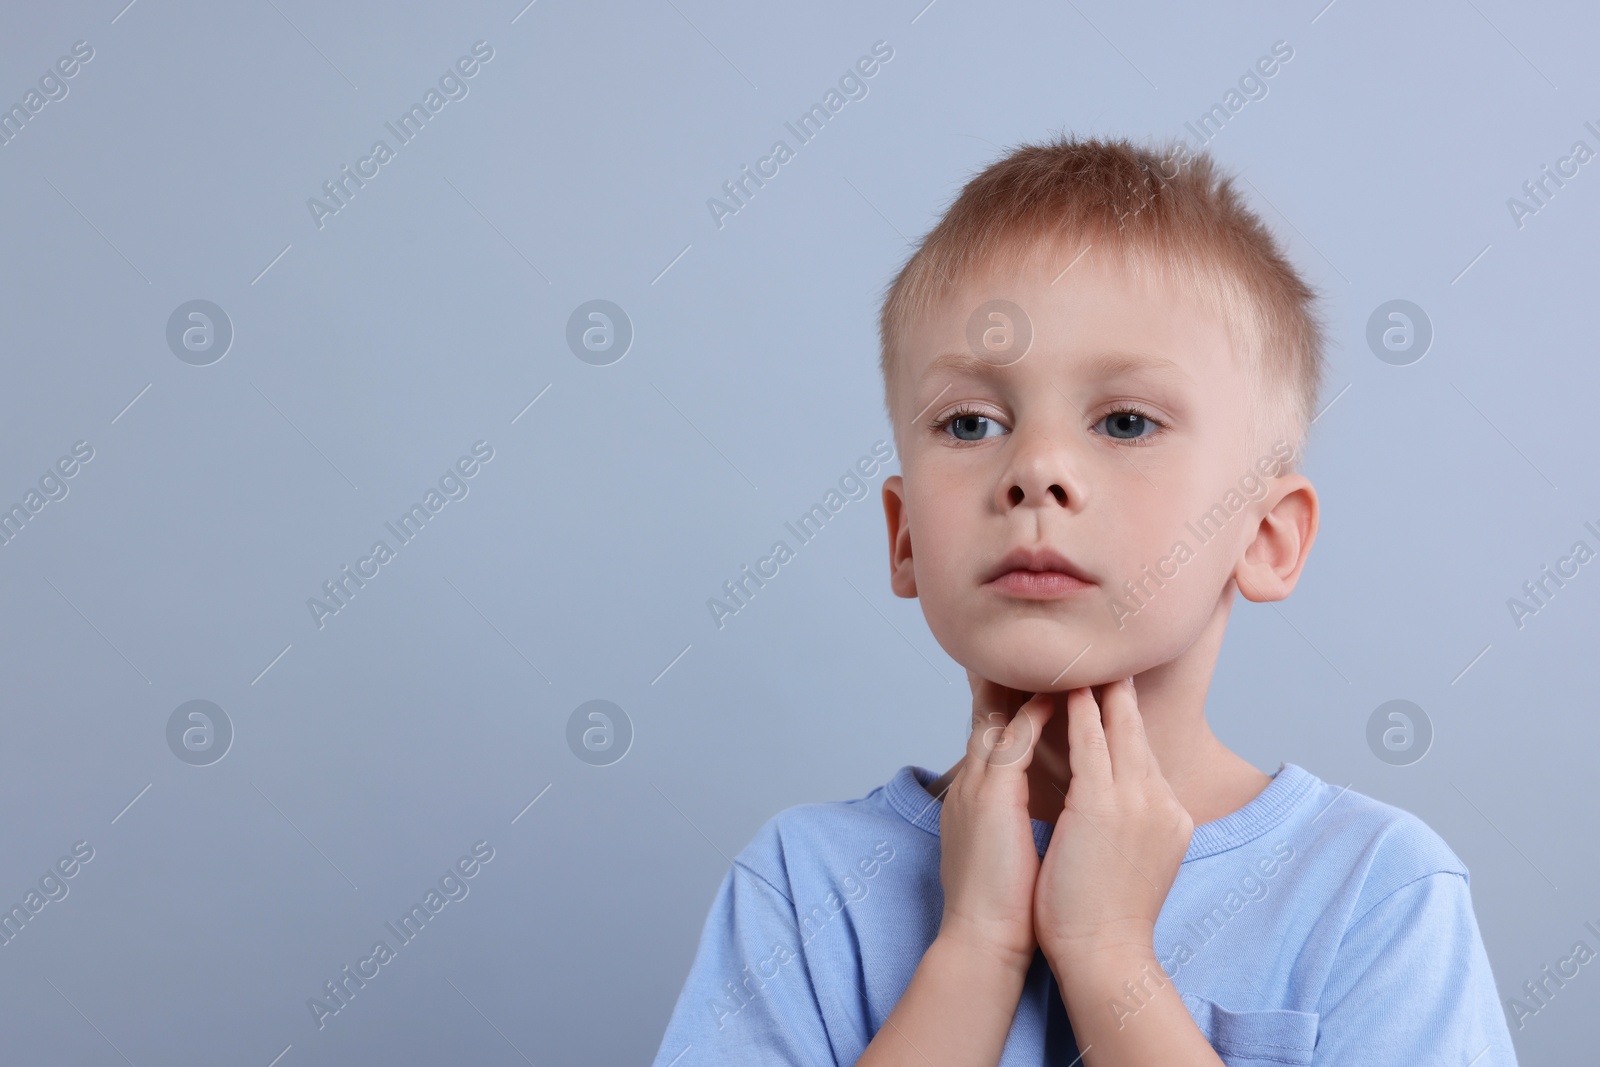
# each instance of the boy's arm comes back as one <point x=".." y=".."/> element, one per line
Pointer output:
<point x="956" y="1011"/>
<point x="750" y="997"/>
<point x="1095" y="989"/>
<point x="1411" y="984"/>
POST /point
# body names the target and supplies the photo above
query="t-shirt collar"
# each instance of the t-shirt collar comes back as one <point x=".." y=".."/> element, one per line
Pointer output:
<point x="907" y="793"/>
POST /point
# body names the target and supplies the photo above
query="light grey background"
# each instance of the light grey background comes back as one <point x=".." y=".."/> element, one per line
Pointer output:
<point x="369" y="354"/>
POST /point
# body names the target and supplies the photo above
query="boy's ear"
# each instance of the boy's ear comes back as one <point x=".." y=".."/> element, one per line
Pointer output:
<point x="902" y="579"/>
<point x="1271" y="563"/>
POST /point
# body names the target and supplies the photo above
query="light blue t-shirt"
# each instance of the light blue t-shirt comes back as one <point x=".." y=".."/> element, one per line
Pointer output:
<point x="1314" y="925"/>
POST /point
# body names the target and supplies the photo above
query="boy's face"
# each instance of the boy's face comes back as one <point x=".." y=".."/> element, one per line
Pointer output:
<point x="1123" y="424"/>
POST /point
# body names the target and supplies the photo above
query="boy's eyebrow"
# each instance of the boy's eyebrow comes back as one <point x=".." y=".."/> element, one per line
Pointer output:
<point x="1101" y="365"/>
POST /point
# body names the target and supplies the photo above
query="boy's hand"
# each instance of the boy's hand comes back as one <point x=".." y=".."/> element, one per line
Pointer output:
<point x="1120" y="840"/>
<point x="988" y="860"/>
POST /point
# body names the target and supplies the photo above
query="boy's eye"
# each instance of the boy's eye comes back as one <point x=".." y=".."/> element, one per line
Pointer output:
<point x="1125" y="425"/>
<point x="970" y="426"/>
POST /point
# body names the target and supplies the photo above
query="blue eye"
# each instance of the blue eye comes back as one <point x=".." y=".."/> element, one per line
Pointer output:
<point x="965" y="422"/>
<point x="1125" y="424"/>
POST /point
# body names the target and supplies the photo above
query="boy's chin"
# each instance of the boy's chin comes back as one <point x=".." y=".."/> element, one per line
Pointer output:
<point x="1046" y="677"/>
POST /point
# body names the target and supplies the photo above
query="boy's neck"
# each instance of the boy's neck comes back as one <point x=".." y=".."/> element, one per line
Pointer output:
<point x="1208" y="779"/>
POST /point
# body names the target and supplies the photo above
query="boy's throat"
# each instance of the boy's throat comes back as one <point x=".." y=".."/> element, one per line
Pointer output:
<point x="1049" y="773"/>
<point x="1047" y="787"/>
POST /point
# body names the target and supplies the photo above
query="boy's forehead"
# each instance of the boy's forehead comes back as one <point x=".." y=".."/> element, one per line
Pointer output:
<point x="1103" y="319"/>
<point x="1104" y="363"/>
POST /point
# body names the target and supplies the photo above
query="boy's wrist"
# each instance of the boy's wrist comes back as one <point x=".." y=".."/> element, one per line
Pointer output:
<point x="1120" y="938"/>
<point x="976" y="950"/>
<point x="1086" y="969"/>
<point x="1133" y="940"/>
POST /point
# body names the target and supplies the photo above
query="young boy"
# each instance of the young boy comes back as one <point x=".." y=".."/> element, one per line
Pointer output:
<point x="1100" y="371"/>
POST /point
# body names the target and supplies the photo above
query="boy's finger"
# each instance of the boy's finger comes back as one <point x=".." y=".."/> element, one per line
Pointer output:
<point x="995" y="735"/>
<point x="1087" y="753"/>
<point x="993" y="708"/>
<point x="1027" y="726"/>
<point x="1002" y="738"/>
<point x="1124" y="730"/>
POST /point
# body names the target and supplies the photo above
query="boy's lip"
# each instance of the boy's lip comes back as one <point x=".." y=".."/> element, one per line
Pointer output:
<point x="1040" y="558"/>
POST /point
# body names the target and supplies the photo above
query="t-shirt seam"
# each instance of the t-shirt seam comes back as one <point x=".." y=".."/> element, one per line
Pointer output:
<point x="1362" y="917"/>
<point x="801" y="957"/>
<point x="1403" y="885"/>
<point x="764" y="881"/>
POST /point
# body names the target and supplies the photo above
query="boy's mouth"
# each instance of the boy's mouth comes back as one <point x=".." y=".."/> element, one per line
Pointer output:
<point x="1037" y="573"/>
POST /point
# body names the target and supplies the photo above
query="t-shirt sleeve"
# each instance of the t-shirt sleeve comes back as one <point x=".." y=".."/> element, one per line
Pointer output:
<point x="1411" y="984"/>
<point x="749" y="998"/>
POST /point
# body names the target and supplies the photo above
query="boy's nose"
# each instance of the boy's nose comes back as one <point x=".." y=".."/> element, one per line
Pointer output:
<point x="1021" y="495"/>
<point x="1040" y="473"/>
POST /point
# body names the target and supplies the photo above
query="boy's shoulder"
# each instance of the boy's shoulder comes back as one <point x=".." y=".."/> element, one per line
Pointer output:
<point x="826" y="839"/>
<point x="1341" y="836"/>
<point x="1378" y="845"/>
